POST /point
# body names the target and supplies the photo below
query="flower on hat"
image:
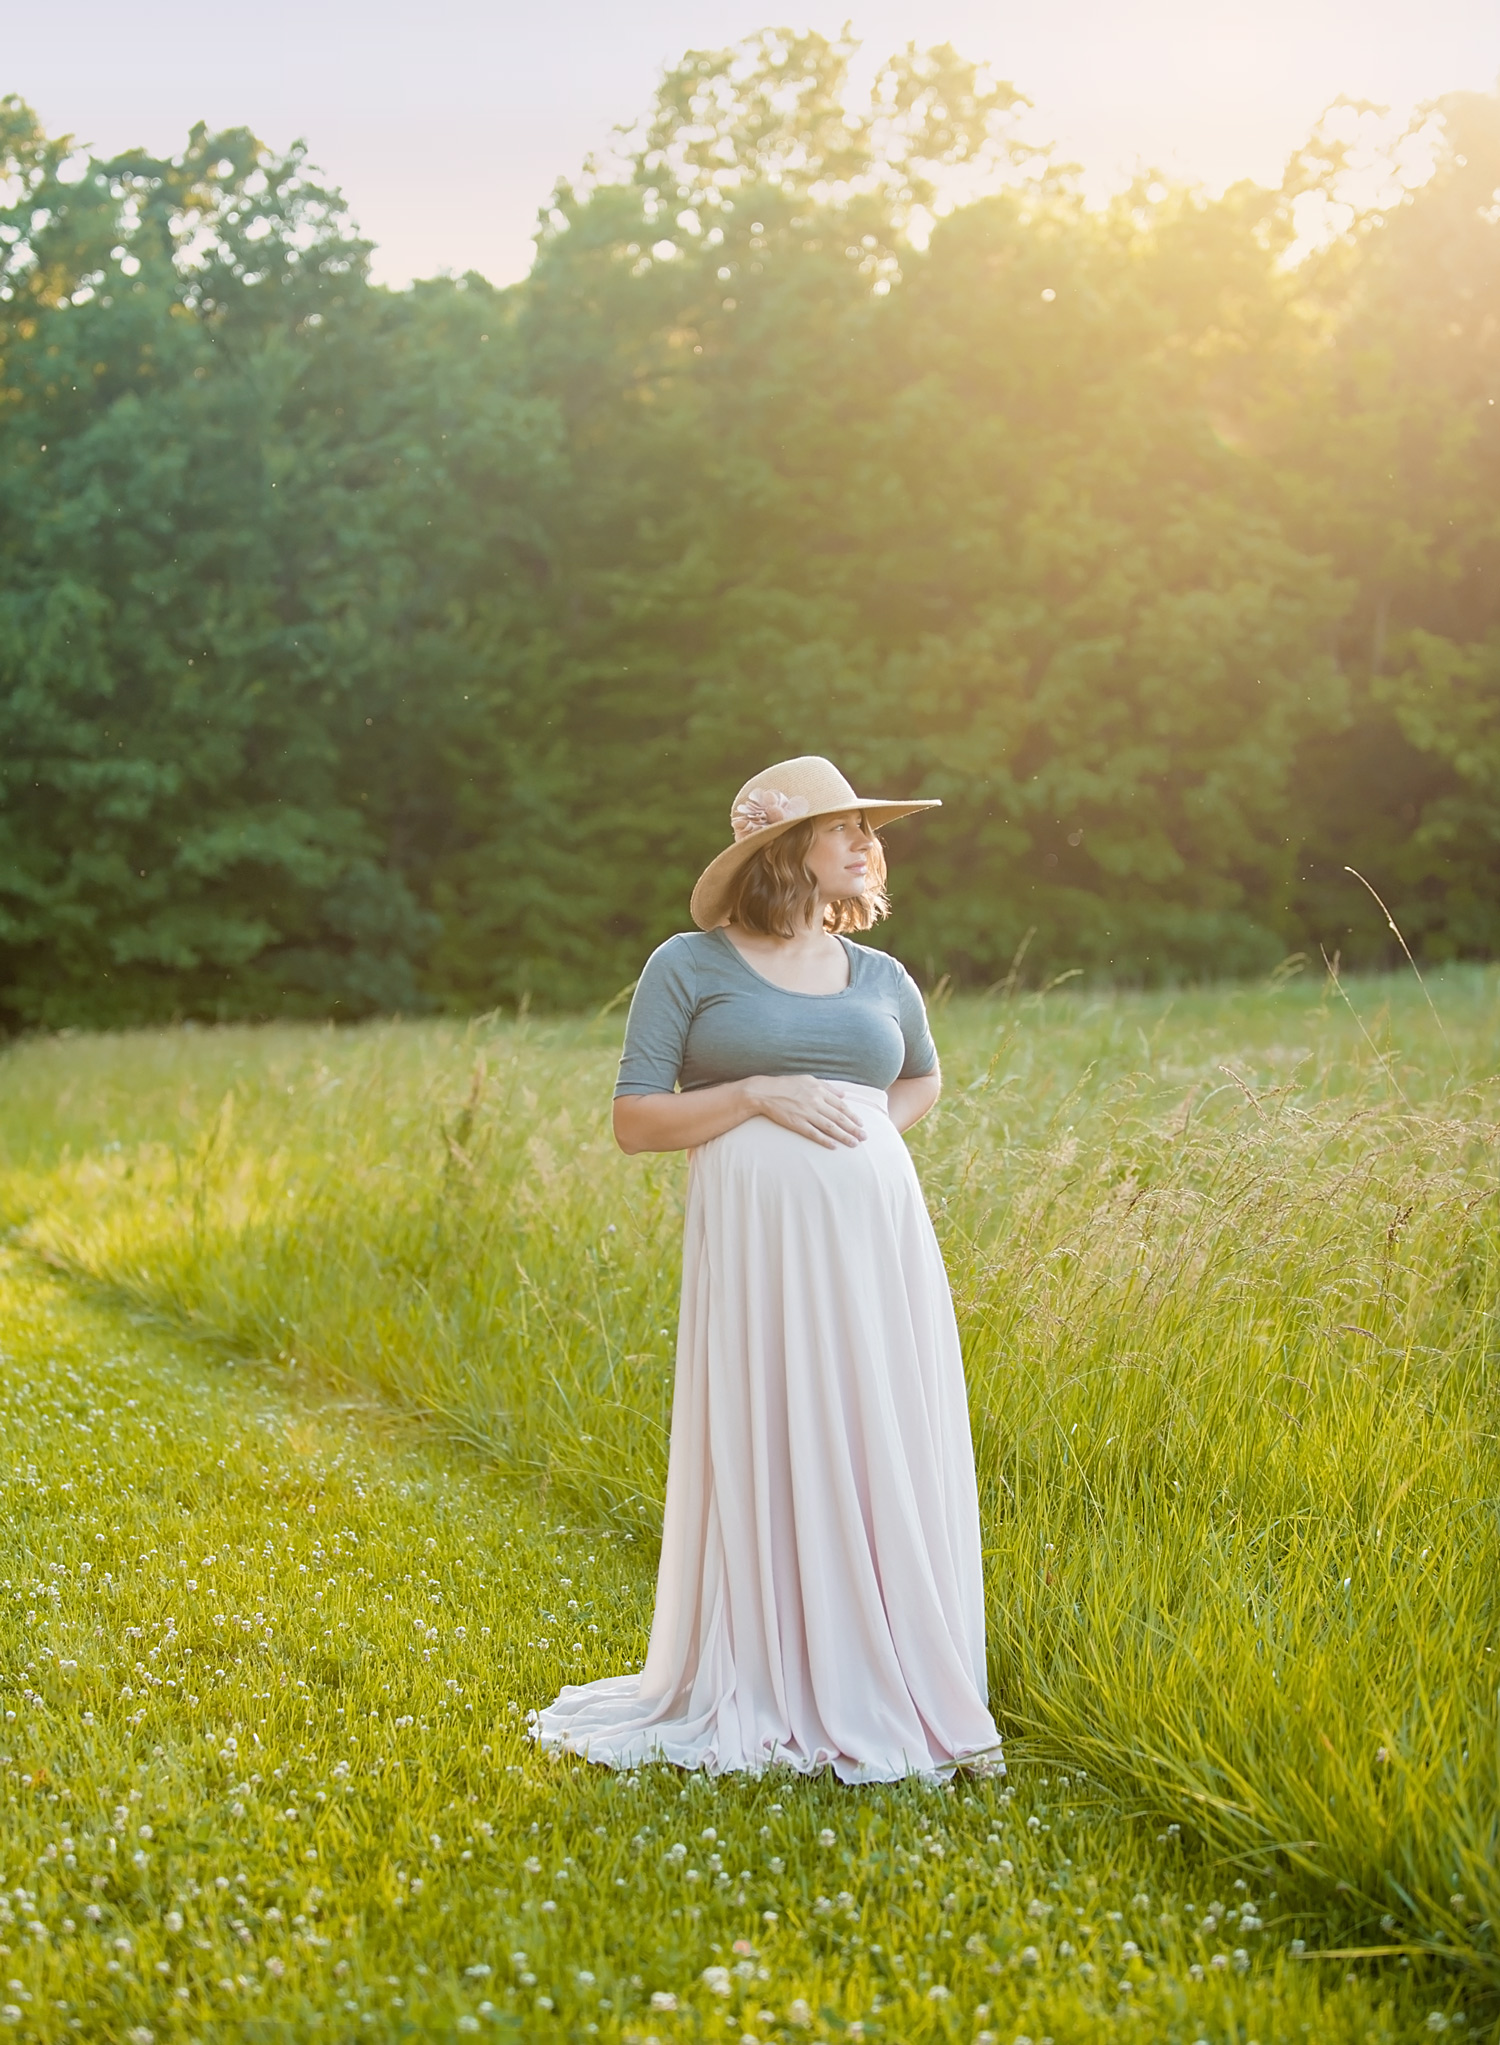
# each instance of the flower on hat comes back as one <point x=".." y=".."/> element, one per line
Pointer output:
<point x="759" y="808"/>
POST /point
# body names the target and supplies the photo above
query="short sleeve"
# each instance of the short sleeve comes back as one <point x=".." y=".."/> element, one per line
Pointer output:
<point x="911" y="1012"/>
<point x="656" y="1028"/>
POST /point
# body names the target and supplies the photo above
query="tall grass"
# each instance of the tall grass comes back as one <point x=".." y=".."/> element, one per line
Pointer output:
<point x="439" y="1213"/>
<point x="1226" y="1271"/>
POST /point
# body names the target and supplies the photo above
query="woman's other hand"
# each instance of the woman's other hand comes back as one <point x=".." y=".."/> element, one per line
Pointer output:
<point x="911" y="1099"/>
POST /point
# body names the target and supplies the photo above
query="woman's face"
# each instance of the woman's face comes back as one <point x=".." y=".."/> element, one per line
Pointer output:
<point x="839" y="856"/>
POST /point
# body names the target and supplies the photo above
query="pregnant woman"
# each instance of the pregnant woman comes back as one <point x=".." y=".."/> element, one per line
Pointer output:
<point x="819" y="1602"/>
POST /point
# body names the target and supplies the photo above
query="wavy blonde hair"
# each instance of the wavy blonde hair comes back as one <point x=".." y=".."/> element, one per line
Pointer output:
<point x="775" y="893"/>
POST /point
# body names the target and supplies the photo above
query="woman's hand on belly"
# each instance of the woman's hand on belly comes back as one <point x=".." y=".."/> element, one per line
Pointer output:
<point x="808" y="1107"/>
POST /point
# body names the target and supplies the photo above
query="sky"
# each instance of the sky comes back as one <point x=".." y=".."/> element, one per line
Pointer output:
<point x="446" y="122"/>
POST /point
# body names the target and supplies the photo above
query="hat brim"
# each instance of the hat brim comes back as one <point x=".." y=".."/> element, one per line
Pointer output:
<point x="709" y="907"/>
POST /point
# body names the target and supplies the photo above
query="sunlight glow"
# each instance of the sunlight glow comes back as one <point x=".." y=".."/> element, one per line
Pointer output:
<point x="448" y="131"/>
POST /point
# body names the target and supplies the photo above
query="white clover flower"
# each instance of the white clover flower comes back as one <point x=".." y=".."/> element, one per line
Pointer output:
<point x="1030" y="1957"/>
<point x="173" y="1920"/>
<point x="827" y="1838"/>
<point x="938" y="1993"/>
<point x="663" y="1999"/>
<point x="716" y="1980"/>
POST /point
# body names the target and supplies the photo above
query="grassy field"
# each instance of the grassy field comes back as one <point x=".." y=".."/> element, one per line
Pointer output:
<point x="301" y="1324"/>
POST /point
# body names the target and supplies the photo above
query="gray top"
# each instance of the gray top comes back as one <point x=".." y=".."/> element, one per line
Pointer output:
<point x="701" y="1014"/>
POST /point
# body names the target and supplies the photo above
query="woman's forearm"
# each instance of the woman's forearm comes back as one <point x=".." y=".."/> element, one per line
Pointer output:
<point x="811" y="1107"/>
<point x="681" y="1121"/>
<point x="911" y="1099"/>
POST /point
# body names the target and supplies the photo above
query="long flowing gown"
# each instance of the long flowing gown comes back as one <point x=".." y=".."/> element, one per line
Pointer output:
<point x="819" y="1601"/>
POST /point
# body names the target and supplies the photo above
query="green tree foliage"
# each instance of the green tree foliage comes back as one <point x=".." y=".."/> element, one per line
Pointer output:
<point x="238" y="495"/>
<point x="363" y="649"/>
<point x="1391" y="452"/>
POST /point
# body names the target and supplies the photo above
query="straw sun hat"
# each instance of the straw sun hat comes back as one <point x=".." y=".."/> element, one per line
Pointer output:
<point x="769" y="804"/>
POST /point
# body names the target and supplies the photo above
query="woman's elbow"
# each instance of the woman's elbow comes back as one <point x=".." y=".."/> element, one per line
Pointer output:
<point x="630" y="1124"/>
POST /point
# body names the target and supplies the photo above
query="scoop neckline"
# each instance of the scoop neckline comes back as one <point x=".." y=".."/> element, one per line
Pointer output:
<point x="796" y="993"/>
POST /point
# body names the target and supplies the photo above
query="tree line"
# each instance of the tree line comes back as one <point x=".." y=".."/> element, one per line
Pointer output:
<point x="367" y="650"/>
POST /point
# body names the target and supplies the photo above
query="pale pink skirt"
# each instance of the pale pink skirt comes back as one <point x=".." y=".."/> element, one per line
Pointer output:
<point x="820" y="1600"/>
